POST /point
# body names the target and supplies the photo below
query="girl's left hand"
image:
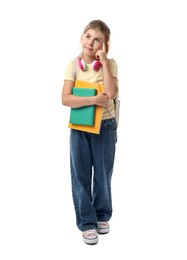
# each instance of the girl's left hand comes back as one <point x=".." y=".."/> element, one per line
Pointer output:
<point x="101" y="54"/>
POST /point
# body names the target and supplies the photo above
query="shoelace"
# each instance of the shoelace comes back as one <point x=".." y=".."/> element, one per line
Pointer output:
<point x="90" y="232"/>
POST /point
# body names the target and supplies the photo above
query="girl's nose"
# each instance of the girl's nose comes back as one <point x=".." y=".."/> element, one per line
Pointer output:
<point x="90" y="42"/>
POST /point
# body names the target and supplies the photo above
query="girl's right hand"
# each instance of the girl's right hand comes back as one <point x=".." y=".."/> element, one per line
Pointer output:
<point x="101" y="54"/>
<point x="102" y="100"/>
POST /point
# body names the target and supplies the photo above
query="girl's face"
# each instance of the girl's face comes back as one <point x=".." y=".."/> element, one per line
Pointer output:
<point x="92" y="41"/>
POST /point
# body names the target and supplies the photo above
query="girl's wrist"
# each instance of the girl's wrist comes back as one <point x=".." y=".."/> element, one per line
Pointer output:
<point x="94" y="100"/>
<point x="105" y="62"/>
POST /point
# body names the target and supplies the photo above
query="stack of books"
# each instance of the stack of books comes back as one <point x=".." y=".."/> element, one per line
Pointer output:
<point x="86" y="118"/>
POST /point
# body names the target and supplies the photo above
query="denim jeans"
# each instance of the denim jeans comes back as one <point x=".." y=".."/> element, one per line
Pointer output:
<point x="92" y="161"/>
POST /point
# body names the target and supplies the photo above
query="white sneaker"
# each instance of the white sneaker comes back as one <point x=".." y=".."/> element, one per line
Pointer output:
<point x="90" y="236"/>
<point x="103" y="227"/>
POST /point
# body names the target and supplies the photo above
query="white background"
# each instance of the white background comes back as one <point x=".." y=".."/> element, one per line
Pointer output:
<point x="148" y="41"/>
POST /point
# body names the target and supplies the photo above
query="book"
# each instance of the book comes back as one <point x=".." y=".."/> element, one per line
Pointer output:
<point x="83" y="115"/>
<point x="95" y="129"/>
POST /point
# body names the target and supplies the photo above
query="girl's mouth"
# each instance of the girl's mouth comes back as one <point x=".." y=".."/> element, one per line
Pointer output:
<point x="88" y="49"/>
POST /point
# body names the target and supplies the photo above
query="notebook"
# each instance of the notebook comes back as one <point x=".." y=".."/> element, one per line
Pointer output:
<point x="83" y="115"/>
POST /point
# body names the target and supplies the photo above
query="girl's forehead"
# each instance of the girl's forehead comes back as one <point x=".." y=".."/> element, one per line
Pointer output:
<point x="95" y="33"/>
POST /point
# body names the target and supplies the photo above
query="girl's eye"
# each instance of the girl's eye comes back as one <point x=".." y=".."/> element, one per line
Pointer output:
<point x="98" y="40"/>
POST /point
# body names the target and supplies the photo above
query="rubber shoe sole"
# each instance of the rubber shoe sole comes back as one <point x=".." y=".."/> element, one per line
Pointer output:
<point x="103" y="227"/>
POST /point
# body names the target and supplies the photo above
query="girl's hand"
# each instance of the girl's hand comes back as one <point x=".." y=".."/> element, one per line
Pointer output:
<point x="101" y="54"/>
<point x="102" y="100"/>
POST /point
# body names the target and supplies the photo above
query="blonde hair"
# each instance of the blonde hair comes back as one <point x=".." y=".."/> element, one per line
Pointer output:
<point x="102" y="27"/>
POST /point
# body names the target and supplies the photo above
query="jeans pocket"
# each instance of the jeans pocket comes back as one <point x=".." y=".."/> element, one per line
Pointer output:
<point x="111" y="124"/>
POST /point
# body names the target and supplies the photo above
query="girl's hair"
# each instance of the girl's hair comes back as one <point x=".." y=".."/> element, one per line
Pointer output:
<point x="102" y="27"/>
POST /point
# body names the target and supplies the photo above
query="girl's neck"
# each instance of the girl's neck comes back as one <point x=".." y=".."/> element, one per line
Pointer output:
<point x="87" y="59"/>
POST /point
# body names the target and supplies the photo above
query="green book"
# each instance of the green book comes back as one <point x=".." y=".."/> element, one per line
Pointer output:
<point x="83" y="115"/>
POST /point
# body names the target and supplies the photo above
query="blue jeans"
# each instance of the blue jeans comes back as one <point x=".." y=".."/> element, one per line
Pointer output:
<point x="92" y="160"/>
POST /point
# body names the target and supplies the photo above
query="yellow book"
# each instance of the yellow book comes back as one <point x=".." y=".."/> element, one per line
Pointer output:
<point x="95" y="129"/>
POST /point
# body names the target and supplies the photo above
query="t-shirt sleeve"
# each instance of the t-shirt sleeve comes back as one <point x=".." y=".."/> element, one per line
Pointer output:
<point x="69" y="75"/>
<point x="114" y="68"/>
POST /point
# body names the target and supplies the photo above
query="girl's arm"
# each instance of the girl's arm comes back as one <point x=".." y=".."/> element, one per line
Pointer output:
<point x="110" y="82"/>
<point x="76" y="101"/>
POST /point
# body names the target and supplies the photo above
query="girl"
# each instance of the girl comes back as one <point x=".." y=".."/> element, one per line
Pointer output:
<point x="92" y="155"/>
